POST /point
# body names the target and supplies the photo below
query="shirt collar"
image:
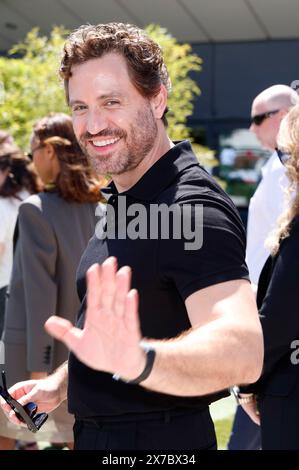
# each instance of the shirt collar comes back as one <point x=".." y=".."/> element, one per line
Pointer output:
<point x="160" y="175"/>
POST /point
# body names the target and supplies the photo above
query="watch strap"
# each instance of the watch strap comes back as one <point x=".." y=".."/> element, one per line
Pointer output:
<point x="150" y="358"/>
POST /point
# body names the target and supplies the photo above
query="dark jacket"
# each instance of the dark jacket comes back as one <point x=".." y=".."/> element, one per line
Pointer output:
<point x="52" y="235"/>
<point x="278" y="387"/>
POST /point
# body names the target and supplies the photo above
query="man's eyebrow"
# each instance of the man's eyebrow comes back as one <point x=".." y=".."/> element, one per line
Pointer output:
<point x="72" y="102"/>
<point x="105" y="96"/>
<point x="113" y="94"/>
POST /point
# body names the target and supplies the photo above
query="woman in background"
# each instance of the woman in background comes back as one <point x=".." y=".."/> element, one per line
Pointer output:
<point x="54" y="227"/>
<point x="273" y="400"/>
<point x="17" y="181"/>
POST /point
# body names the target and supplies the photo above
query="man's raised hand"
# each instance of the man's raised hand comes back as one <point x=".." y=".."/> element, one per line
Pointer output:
<point x="109" y="340"/>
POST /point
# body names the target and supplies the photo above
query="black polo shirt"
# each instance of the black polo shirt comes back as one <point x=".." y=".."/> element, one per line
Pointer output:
<point x="164" y="272"/>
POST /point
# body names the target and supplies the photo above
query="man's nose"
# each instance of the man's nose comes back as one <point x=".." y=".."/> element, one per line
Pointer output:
<point x="96" y="122"/>
<point x="252" y="127"/>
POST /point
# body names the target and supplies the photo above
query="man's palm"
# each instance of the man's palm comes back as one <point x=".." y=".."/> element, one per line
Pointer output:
<point x="111" y="335"/>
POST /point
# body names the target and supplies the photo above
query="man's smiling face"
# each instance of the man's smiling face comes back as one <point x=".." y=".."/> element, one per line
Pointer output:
<point x="114" y="124"/>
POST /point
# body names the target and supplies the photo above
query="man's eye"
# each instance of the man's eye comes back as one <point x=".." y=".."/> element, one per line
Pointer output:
<point x="112" y="103"/>
<point x="78" y="108"/>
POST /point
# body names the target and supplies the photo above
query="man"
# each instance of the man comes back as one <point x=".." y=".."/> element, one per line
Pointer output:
<point x="195" y="305"/>
<point x="266" y="205"/>
<point x="268" y="109"/>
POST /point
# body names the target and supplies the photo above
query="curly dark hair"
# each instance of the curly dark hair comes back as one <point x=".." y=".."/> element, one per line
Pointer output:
<point x="144" y="58"/>
<point x="76" y="180"/>
<point x="20" y="172"/>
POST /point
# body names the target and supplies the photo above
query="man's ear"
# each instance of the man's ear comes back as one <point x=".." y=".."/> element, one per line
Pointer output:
<point x="159" y="102"/>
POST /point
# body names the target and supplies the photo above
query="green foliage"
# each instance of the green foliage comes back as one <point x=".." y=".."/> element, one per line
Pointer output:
<point x="223" y="429"/>
<point x="180" y="62"/>
<point x="32" y="87"/>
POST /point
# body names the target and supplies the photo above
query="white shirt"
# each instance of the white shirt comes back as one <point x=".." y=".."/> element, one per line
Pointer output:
<point x="265" y="206"/>
<point x="8" y="216"/>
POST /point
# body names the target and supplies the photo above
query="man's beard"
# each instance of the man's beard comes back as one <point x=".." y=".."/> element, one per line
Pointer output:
<point x="134" y="145"/>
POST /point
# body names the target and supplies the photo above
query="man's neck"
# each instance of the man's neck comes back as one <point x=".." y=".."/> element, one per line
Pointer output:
<point x="127" y="180"/>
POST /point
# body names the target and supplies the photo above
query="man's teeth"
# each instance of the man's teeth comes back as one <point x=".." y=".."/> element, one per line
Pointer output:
<point x="102" y="143"/>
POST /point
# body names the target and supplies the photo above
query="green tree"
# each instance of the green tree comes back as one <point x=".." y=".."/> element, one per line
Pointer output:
<point x="180" y="62"/>
<point x="32" y="87"/>
<point x="31" y="84"/>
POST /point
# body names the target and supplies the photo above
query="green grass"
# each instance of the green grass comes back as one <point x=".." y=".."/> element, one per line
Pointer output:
<point x="223" y="430"/>
<point x="222" y="412"/>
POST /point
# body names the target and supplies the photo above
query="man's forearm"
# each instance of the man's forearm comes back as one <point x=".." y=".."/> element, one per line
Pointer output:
<point x="206" y="360"/>
<point x="61" y="379"/>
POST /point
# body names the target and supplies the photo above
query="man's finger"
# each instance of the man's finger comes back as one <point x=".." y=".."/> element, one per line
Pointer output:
<point x="13" y="419"/>
<point x="64" y="331"/>
<point x="5" y="407"/>
<point x="123" y="282"/>
<point x="10" y="414"/>
<point x="108" y="280"/>
<point x="255" y="419"/>
<point x="30" y="396"/>
<point x="93" y="297"/>
<point x="131" y="313"/>
<point x="21" y="388"/>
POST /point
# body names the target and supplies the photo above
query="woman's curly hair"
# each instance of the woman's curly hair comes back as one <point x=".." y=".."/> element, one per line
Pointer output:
<point x="288" y="141"/>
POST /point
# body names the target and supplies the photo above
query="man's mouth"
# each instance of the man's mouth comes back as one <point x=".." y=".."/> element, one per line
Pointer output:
<point x="104" y="143"/>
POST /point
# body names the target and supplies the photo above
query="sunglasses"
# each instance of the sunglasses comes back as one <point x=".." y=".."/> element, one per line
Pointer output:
<point x="27" y="414"/>
<point x="259" y="118"/>
<point x="283" y="156"/>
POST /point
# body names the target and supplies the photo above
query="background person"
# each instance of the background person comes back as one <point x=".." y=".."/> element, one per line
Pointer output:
<point x="266" y="205"/>
<point x="276" y="393"/>
<point x="268" y="109"/>
<point x="54" y="228"/>
<point x="17" y="181"/>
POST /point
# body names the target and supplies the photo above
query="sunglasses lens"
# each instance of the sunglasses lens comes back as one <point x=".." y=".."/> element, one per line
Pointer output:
<point x="257" y="120"/>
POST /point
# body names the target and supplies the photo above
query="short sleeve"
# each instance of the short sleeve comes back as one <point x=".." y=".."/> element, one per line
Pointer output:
<point x="217" y="253"/>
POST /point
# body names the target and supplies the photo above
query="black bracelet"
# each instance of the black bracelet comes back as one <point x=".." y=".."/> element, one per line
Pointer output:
<point x="150" y="358"/>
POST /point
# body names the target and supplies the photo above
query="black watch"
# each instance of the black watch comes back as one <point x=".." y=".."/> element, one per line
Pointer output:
<point x="150" y="358"/>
